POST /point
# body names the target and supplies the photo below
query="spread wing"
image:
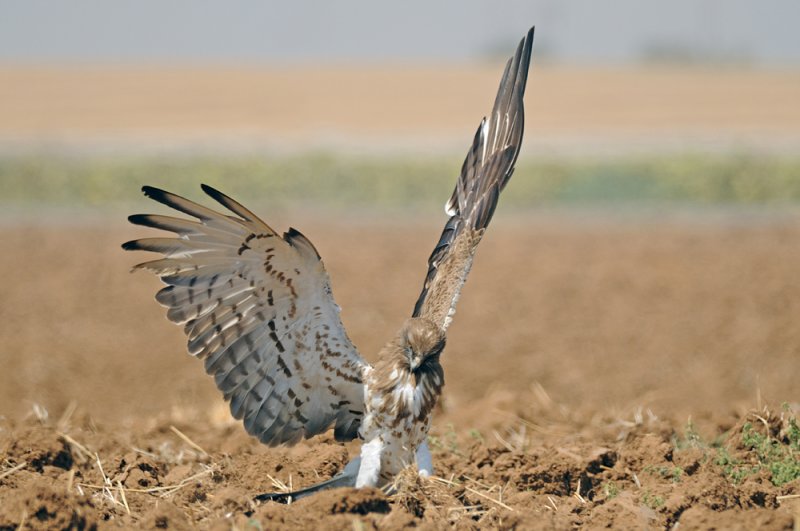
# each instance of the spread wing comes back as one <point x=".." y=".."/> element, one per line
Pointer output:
<point x="258" y="310"/>
<point x="486" y="170"/>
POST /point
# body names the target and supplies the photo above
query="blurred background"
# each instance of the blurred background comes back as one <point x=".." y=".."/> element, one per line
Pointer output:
<point x="298" y="101"/>
<point x="650" y="233"/>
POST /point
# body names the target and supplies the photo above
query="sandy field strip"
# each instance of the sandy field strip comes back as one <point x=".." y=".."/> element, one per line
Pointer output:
<point x="416" y="103"/>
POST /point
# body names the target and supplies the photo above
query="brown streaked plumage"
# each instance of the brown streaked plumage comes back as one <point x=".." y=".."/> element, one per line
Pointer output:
<point x="257" y="308"/>
<point x="425" y="341"/>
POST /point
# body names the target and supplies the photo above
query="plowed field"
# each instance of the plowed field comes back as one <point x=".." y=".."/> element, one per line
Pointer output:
<point x="603" y="369"/>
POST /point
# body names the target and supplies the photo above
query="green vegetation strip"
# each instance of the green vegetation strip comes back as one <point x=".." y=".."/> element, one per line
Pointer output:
<point x="778" y="456"/>
<point x="770" y="445"/>
<point x="403" y="182"/>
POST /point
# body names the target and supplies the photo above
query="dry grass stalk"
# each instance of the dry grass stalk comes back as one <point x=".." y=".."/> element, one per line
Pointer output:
<point x="83" y="453"/>
<point x="635" y="478"/>
<point x="145" y="453"/>
<point x="415" y="492"/>
<point x="470" y="511"/>
<point x="122" y="495"/>
<point x="488" y="488"/>
<point x="504" y="442"/>
<point x="517" y="441"/>
<point x="468" y="508"/>
<point x="40" y="412"/>
<point x="188" y="441"/>
<point x="63" y="421"/>
<point x="165" y="490"/>
<point x="542" y="396"/>
<point x="106" y="480"/>
<point x="761" y="419"/>
<point x="552" y="429"/>
<point x="105" y="489"/>
<point x="280" y="485"/>
<point x="577" y="493"/>
<point x="13" y="469"/>
<point x="70" y="480"/>
<point x="473" y="491"/>
<point x="404" y="484"/>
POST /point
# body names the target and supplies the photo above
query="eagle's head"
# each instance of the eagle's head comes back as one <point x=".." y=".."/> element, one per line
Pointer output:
<point x="408" y="373"/>
<point x="422" y="343"/>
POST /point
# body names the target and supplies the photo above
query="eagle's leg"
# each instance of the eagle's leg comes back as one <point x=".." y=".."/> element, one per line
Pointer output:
<point x="354" y="474"/>
<point x="424" y="460"/>
<point x="370" y="469"/>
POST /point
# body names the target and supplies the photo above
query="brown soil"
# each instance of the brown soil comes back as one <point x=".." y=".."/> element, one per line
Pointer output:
<point x="594" y="370"/>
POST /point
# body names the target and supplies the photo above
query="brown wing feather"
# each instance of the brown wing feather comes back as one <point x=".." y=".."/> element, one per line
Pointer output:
<point x="486" y="171"/>
<point x="258" y="309"/>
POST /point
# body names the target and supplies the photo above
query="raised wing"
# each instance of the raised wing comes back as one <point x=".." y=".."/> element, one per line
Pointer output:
<point x="258" y="309"/>
<point x="486" y="170"/>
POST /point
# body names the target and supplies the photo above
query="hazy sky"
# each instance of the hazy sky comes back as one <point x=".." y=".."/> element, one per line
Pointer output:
<point x="762" y="32"/>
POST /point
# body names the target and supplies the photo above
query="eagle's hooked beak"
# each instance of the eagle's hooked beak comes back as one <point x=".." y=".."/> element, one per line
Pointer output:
<point x="416" y="361"/>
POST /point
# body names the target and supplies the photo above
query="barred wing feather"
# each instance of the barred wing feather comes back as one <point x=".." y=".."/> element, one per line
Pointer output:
<point x="257" y="308"/>
<point x="486" y="171"/>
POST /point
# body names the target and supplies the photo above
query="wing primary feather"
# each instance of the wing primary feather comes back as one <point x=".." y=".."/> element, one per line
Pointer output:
<point x="179" y="203"/>
<point x="235" y="207"/>
<point x="182" y="226"/>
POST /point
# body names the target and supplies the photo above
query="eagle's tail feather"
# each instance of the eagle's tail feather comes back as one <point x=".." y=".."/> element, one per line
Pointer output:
<point x="345" y="478"/>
